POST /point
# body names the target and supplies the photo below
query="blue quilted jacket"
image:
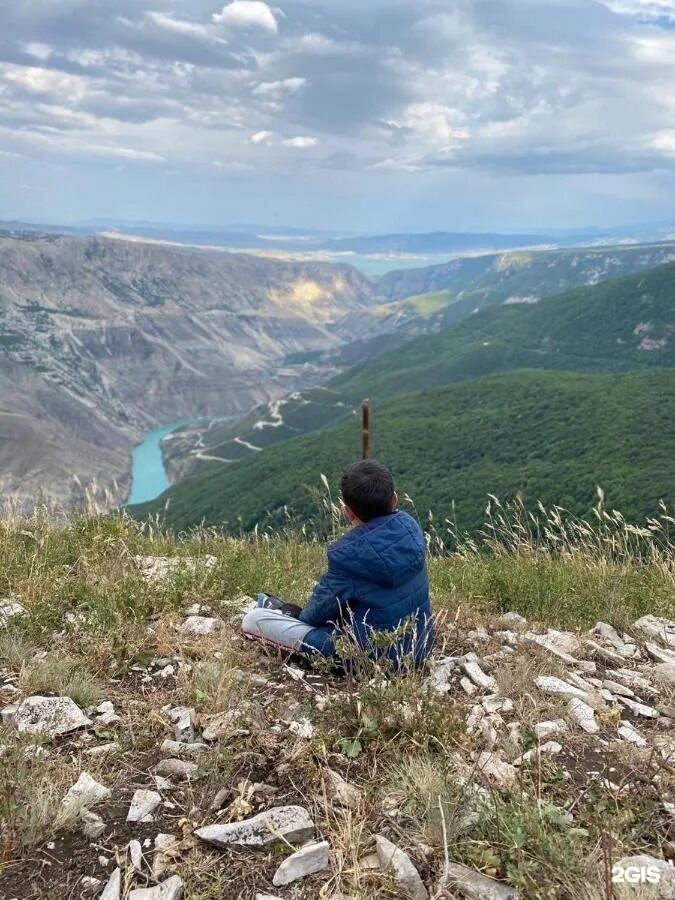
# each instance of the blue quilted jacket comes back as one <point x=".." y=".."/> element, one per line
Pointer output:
<point x="376" y="580"/>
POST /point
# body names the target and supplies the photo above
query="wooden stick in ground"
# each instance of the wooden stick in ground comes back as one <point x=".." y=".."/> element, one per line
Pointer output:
<point x="365" y="429"/>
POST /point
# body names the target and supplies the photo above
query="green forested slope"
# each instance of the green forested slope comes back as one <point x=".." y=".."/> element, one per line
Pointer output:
<point x="615" y="326"/>
<point x="552" y="435"/>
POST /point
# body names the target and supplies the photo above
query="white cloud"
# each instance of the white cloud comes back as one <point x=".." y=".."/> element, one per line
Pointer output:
<point x="664" y="142"/>
<point x="38" y="50"/>
<point x="435" y="123"/>
<point x="262" y="137"/>
<point x="178" y="26"/>
<point x="232" y="165"/>
<point x="277" y="89"/>
<point x="398" y="165"/>
<point x="644" y="9"/>
<point x="45" y="81"/>
<point x="247" y="14"/>
<point x="302" y="142"/>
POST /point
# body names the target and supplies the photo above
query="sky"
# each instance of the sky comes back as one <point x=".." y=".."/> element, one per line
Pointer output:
<point x="362" y="115"/>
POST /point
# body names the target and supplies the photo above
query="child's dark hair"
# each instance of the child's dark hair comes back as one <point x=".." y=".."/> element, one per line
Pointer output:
<point x="368" y="489"/>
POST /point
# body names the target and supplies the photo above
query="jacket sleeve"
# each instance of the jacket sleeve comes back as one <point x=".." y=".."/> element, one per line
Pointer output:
<point x="329" y="597"/>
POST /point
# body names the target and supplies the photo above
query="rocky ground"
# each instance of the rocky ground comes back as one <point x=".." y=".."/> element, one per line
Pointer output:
<point x="183" y="761"/>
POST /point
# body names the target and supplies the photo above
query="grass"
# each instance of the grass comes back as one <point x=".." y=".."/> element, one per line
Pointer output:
<point x="62" y="675"/>
<point x="91" y="617"/>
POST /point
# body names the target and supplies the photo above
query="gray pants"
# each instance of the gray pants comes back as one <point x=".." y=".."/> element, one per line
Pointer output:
<point x="273" y="627"/>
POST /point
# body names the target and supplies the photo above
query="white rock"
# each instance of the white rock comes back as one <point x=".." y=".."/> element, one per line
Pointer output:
<point x="610" y="635"/>
<point x="473" y="885"/>
<point x="199" y="625"/>
<point x="406" y="876"/>
<point x="161" y="567"/>
<point x="507" y="637"/>
<point x="49" y="716"/>
<point x="550" y="748"/>
<point x="640" y="709"/>
<point x="342" y="792"/>
<point x="563" y="641"/>
<point x="221" y="725"/>
<point x="614" y="687"/>
<point x="658" y="627"/>
<point x="605" y="653"/>
<point x="495" y="771"/>
<point x="93" y="826"/>
<point x="440" y="679"/>
<point x="183" y="718"/>
<point x="636" y="681"/>
<point x="113" y="888"/>
<point x="162" y="859"/>
<point x="479" y="677"/>
<point x="310" y="859"/>
<point x="302" y="729"/>
<point x="9" y="609"/>
<point x="476" y="714"/>
<point x="167" y="672"/>
<point x="90" y="884"/>
<point x="108" y="719"/>
<point x="546" y="729"/>
<point x="84" y="793"/>
<point x="513" y="620"/>
<point x="180" y="749"/>
<point x="143" y="804"/>
<point x="583" y="715"/>
<point x="102" y="749"/>
<point x="193" y="610"/>
<point x="171" y="889"/>
<point x="162" y="784"/>
<point x="292" y="823"/>
<point x="136" y="855"/>
<point x="582" y="683"/>
<point x="267" y="897"/>
<point x="549" y="684"/>
<point x="479" y="635"/>
<point x="551" y="647"/>
<point x="660" y="654"/>
<point x="665" y="673"/>
<point x="494" y="704"/>
<point x="178" y="767"/>
<point x="467" y="686"/>
<point x="629" y="733"/>
<point x="488" y="733"/>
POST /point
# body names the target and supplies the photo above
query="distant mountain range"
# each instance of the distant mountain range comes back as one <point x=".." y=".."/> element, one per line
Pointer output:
<point x="275" y="237"/>
<point x="553" y="435"/>
<point x="435" y="242"/>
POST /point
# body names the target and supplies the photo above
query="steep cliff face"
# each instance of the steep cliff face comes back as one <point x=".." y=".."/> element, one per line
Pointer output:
<point x="101" y="339"/>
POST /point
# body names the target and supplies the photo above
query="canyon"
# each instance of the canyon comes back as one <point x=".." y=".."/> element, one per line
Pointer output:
<point x="102" y="340"/>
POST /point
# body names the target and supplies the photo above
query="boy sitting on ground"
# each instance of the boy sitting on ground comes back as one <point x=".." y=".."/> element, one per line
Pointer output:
<point x="376" y="582"/>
